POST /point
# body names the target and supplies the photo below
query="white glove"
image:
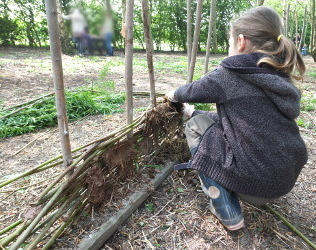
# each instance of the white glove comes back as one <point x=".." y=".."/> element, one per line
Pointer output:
<point x="170" y="96"/>
<point x="187" y="111"/>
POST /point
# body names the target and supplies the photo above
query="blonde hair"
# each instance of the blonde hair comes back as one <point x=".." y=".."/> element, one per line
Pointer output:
<point x="263" y="27"/>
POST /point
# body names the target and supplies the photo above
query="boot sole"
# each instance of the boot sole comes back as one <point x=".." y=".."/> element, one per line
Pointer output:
<point x="237" y="226"/>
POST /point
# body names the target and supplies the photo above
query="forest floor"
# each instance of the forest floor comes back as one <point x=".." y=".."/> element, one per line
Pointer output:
<point x="176" y="215"/>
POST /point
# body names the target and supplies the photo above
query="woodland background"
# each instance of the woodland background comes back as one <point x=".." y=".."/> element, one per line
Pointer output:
<point x="23" y="22"/>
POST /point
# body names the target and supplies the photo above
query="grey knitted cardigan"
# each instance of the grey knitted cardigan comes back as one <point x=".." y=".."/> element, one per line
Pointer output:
<point x="255" y="147"/>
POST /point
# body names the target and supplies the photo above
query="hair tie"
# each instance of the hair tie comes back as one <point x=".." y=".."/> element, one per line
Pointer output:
<point x="279" y="38"/>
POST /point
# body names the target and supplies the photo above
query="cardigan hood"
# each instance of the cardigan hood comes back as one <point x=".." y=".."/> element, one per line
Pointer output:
<point x="281" y="91"/>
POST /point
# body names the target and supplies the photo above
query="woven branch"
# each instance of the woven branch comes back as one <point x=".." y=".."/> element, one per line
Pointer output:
<point x="96" y="173"/>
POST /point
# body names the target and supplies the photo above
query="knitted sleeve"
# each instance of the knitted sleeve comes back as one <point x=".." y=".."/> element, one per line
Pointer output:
<point x="205" y="90"/>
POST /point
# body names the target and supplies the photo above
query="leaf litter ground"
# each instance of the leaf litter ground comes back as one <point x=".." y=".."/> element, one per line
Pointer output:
<point x="176" y="215"/>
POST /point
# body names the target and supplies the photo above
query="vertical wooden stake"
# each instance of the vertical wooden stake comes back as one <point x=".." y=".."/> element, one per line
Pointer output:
<point x="149" y="51"/>
<point x="196" y="39"/>
<point x="129" y="60"/>
<point x="210" y="34"/>
<point x="189" y="32"/>
<point x="55" y="48"/>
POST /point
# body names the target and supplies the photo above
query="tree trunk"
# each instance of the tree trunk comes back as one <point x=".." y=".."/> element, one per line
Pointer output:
<point x="286" y="18"/>
<point x="149" y="51"/>
<point x="302" y="41"/>
<point x="260" y="2"/>
<point x="312" y="41"/>
<point x="210" y="33"/>
<point x="123" y="28"/>
<point x="214" y="29"/>
<point x="297" y="35"/>
<point x="196" y="39"/>
<point x="67" y="46"/>
<point x="55" y="48"/>
<point x="129" y="60"/>
<point x="123" y="11"/>
<point x="189" y="32"/>
<point x="108" y="5"/>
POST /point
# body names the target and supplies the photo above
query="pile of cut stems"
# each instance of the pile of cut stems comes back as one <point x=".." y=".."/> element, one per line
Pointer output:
<point x="64" y="199"/>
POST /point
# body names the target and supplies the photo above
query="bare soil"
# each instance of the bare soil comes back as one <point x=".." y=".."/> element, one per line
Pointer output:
<point x="176" y="215"/>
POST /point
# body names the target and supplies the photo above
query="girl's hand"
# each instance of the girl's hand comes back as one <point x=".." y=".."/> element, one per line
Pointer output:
<point x="187" y="111"/>
<point x="170" y="96"/>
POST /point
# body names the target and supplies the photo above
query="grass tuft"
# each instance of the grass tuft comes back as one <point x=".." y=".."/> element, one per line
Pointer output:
<point x="44" y="114"/>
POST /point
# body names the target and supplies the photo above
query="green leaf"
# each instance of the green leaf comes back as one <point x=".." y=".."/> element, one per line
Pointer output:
<point x="141" y="223"/>
<point x="164" y="227"/>
<point x="153" y="166"/>
<point x="150" y="207"/>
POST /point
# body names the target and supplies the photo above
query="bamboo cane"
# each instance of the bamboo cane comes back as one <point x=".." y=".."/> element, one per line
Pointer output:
<point x="81" y="192"/>
<point x="209" y="35"/>
<point x="90" y="157"/>
<point x="51" y="193"/>
<point x="55" y="47"/>
<point x="27" y="186"/>
<point x="9" y="228"/>
<point x="54" y="218"/>
<point x="42" y="167"/>
<point x="196" y="39"/>
<point x="73" y="165"/>
<point x="65" y="225"/>
<point x="4" y="242"/>
<point x="31" y="171"/>
<point x="286" y="222"/>
<point x="189" y="33"/>
<point x="58" y="199"/>
<point x="36" y="220"/>
<point x="62" y="175"/>
<point x="26" y="103"/>
<point x="129" y="61"/>
<point x="149" y="51"/>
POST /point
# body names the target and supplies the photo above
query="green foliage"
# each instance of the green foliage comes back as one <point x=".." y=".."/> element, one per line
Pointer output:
<point x="141" y="223"/>
<point x="308" y="103"/>
<point x="9" y="30"/>
<point x="101" y="84"/>
<point x="140" y="109"/>
<point x="104" y="71"/>
<point x="226" y="11"/>
<point x="153" y="166"/>
<point x="303" y="123"/>
<point x="150" y="207"/>
<point x="23" y="23"/>
<point x="312" y="74"/>
<point x="168" y="21"/>
<point x="43" y="114"/>
<point x="204" y="106"/>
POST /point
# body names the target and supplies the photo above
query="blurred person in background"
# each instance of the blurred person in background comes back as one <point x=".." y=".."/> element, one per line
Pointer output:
<point x="80" y="31"/>
<point x="107" y="29"/>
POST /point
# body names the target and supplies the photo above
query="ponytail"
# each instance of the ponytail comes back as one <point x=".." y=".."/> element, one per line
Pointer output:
<point x="286" y="59"/>
<point x="263" y="27"/>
